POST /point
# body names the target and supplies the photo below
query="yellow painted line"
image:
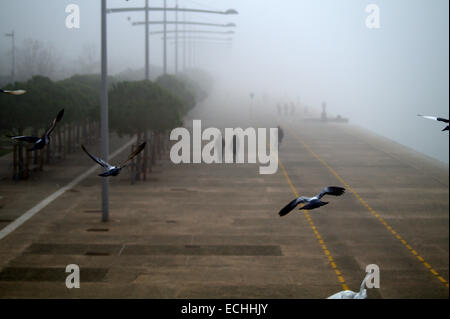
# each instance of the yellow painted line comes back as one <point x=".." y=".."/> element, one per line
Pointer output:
<point x="371" y="210"/>
<point x="314" y="228"/>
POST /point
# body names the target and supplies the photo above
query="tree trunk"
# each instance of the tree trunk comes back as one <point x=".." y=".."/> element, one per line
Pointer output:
<point x="159" y="145"/>
<point x="41" y="155"/>
<point x="69" y="142"/>
<point x="64" y="138"/>
<point x="133" y="167"/>
<point x="153" y="148"/>
<point x="21" y="163"/>
<point x="27" y="165"/>
<point x="138" y="158"/>
<point x="85" y="131"/>
<point x="148" y="149"/>
<point x="35" y="155"/>
<point x="59" y="144"/>
<point x="145" y="155"/>
<point x="78" y="134"/>
<point x="15" y="162"/>
<point x="49" y="153"/>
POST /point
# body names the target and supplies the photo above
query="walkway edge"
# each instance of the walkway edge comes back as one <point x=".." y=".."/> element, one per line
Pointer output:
<point x="37" y="208"/>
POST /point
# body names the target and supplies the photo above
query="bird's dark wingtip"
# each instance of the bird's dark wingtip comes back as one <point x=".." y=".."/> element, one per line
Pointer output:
<point x="60" y="115"/>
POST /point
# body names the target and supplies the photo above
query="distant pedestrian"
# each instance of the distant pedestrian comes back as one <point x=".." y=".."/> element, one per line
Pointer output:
<point x="234" y="146"/>
<point x="280" y="135"/>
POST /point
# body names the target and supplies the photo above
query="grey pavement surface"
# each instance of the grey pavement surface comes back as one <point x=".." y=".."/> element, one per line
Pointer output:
<point x="212" y="231"/>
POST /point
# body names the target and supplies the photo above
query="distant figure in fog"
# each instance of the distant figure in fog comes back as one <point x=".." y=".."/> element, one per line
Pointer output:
<point x="324" y="112"/>
<point x="234" y="146"/>
<point x="280" y="135"/>
<point x="223" y="146"/>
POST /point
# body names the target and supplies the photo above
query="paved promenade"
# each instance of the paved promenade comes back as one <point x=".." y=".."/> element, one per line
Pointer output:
<point x="213" y="231"/>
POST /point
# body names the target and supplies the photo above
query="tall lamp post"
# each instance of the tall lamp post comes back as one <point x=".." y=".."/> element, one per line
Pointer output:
<point x="104" y="127"/>
<point x="13" y="66"/>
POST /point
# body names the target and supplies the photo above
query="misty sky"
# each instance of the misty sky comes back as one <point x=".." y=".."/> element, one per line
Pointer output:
<point x="312" y="50"/>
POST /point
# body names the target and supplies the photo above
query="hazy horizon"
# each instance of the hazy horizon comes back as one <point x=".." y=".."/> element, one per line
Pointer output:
<point x="307" y="51"/>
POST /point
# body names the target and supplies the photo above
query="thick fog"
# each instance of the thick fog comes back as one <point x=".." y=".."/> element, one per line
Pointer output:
<point x="304" y="51"/>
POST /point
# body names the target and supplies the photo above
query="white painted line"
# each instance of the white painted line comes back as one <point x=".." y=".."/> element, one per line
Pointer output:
<point x="36" y="209"/>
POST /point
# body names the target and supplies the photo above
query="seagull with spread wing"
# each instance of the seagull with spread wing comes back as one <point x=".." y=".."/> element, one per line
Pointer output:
<point x="434" y="118"/>
<point x="312" y="202"/>
<point x="348" y="294"/>
<point x="40" y="142"/>
<point x="110" y="169"/>
<point x="13" y="92"/>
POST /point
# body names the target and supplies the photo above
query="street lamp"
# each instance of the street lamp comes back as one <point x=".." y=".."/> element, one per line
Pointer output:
<point x="13" y="67"/>
<point x="104" y="126"/>
<point x="193" y="31"/>
<point x="184" y="32"/>
<point x="227" y="25"/>
<point x="201" y="38"/>
<point x="165" y="22"/>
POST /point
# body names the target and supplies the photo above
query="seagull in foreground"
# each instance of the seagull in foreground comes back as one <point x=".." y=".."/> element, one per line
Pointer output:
<point x="13" y="92"/>
<point x="312" y="202"/>
<point x="348" y="294"/>
<point x="434" y="118"/>
<point x="40" y="142"/>
<point x="113" y="170"/>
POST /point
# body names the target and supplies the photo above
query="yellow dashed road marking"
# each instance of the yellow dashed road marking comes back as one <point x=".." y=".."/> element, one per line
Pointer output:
<point x="371" y="210"/>
<point x="314" y="228"/>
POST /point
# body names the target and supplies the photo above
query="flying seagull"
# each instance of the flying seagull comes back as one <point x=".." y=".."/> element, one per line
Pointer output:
<point x="434" y="118"/>
<point x="40" y="142"/>
<point x="113" y="170"/>
<point x="312" y="202"/>
<point x="13" y="92"/>
<point x="348" y="294"/>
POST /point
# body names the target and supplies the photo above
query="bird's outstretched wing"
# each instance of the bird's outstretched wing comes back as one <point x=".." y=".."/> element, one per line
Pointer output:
<point x="96" y="159"/>
<point x="55" y="121"/>
<point x="289" y="207"/>
<point x="29" y="139"/>
<point x="13" y="92"/>
<point x="136" y="152"/>
<point x="331" y="190"/>
<point x="434" y="118"/>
